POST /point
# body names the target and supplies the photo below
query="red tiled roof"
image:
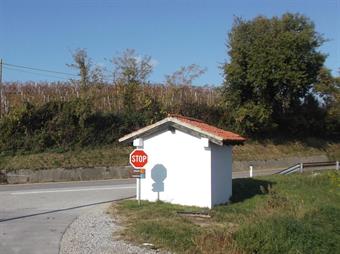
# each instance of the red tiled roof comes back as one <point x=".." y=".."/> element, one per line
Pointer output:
<point x="225" y="135"/>
<point x="213" y="133"/>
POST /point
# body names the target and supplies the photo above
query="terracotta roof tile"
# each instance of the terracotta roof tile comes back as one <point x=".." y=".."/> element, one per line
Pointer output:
<point x="225" y="135"/>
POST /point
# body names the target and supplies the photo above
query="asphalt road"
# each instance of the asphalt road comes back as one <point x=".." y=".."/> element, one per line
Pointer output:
<point x="33" y="217"/>
<point x="260" y="172"/>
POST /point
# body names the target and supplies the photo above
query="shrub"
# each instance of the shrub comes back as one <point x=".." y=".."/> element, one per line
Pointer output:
<point x="58" y="125"/>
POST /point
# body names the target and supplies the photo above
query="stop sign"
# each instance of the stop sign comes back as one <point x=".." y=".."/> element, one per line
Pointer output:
<point x="138" y="158"/>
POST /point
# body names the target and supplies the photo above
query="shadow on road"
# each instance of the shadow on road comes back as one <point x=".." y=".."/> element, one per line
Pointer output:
<point x="244" y="188"/>
<point x="62" y="210"/>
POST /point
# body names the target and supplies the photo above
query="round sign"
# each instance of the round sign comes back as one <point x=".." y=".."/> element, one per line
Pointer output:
<point x="138" y="158"/>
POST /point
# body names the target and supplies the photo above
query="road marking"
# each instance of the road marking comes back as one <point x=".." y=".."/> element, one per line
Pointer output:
<point x="71" y="190"/>
<point x="71" y="182"/>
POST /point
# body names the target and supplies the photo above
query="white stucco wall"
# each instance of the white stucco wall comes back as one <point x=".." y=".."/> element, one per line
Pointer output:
<point x="197" y="171"/>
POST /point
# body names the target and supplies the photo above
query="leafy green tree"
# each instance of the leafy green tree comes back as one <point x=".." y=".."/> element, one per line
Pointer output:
<point x="327" y="88"/>
<point x="273" y="65"/>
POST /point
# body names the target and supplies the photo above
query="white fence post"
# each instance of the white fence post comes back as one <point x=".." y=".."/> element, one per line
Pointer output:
<point x="337" y="165"/>
<point x="301" y="167"/>
<point x="250" y="171"/>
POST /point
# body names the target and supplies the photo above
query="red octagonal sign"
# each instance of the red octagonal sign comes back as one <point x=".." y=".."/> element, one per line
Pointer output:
<point x="138" y="158"/>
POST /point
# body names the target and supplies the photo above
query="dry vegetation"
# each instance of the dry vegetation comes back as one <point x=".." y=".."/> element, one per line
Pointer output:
<point x="104" y="97"/>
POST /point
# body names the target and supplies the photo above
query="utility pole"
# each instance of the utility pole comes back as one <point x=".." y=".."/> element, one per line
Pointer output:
<point x="0" y="87"/>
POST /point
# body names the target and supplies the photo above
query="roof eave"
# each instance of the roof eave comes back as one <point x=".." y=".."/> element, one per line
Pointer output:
<point x="177" y="124"/>
<point x="188" y="128"/>
<point x="144" y="131"/>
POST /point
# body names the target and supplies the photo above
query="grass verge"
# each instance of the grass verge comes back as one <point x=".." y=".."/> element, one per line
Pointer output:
<point x="88" y="157"/>
<point x="118" y="155"/>
<point x="268" y="149"/>
<point x="276" y="214"/>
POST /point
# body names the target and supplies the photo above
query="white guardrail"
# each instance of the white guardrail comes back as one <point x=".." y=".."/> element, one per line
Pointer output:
<point x="301" y="166"/>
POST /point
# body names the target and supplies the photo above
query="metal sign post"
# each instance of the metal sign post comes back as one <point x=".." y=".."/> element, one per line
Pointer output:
<point x="137" y="173"/>
<point x="139" y="179"/>
<point x="139" y="190"/>
<point x="138" y="159"/>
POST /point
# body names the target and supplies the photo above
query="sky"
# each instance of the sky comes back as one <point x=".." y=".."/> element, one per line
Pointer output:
<point x="44" y="33"/>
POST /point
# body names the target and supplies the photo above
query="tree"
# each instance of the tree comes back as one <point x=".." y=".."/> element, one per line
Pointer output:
<point x="327" y="88"/>
<point x="130" y="68"/>
<point x="185" y="75"/>
<point x="178" y="84"/>
<point x="89" y="73"/>
<point x="131" y="71"/>
<point x="273" y="65"/>
<point x="97" y="75"/>
<point x="83" y="64"/>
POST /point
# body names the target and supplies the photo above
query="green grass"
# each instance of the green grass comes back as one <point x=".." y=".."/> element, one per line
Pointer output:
<point x="265" y="150"/>
<point x="117" y="156"/>
<point x="275" y="214"/>
<point x="89" y="157"/>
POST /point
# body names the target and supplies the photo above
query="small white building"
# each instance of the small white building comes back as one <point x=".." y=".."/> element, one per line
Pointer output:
<point x="189" y="161"/>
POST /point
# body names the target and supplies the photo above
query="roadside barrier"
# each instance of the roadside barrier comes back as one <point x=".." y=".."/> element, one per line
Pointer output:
<point x="301" y="166"/>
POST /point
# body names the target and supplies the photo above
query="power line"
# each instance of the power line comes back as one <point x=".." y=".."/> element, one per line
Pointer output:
<point x="29" y="72"/>
<point x="41" y="70"/>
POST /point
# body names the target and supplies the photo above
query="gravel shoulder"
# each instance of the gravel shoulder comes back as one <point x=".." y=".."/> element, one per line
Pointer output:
<point x="97" y="232"/>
